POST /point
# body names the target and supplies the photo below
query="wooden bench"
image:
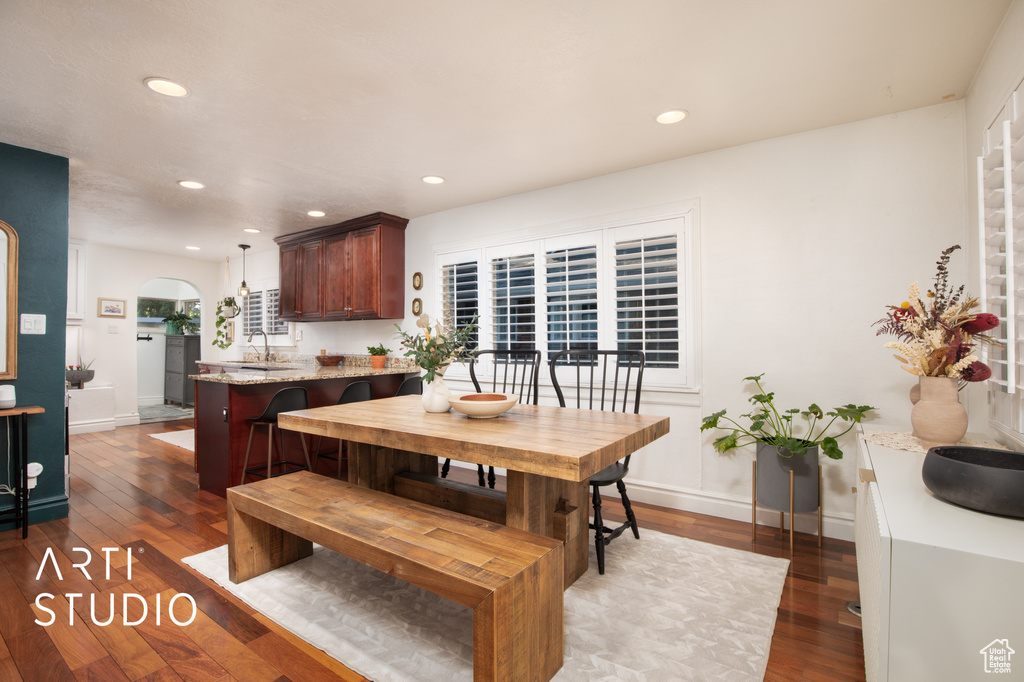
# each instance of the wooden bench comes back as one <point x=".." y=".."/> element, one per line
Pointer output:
<point x="510" y="578"/>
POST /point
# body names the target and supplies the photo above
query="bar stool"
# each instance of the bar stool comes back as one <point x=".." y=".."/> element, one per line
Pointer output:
<point x="356" y="392"/>
<point x="411" y="386"/>
<point x="285" y="400"/>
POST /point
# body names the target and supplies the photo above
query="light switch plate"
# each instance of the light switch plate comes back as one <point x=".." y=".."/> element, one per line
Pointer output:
<point x="33" y="324"/>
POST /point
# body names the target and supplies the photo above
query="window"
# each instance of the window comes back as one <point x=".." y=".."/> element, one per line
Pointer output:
<point x="150" y="312"/>
<point x="571" y="298"/>
<point x="1000" y="215"/>
<point x="260" y="311"/>
<point x="647" y="299"/>
<point x="513" y="303"/>
<point x="623" y="286"/>
<point x="459" y="296"/>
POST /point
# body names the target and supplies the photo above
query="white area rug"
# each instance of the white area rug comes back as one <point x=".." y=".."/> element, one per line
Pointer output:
<point x="667" y="608"/>
<point x="183" y="439"/>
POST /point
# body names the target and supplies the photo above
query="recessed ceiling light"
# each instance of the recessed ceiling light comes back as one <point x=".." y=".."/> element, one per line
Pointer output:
<point x="191" y="184"/>
<point x="433" y="179"/>
<point x="166" y="87"/>
<point x="251" y="230"/>
<point x="674" y="116"/>
<point x="315" y="214"/>
<point x="192" y="248"/>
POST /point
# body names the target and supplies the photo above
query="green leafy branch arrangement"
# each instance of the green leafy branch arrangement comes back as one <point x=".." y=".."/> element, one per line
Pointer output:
<point x="435" y="351"/>
<point x="770" y="426"/>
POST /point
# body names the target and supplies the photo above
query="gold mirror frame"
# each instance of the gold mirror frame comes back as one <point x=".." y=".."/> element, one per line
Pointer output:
<point x="11" y="368"/>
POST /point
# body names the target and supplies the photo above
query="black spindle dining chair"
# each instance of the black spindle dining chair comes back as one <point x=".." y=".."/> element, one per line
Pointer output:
<point x="502" y="371"/>
<point x="606" y="380"/>
<point x="356" y="392"/>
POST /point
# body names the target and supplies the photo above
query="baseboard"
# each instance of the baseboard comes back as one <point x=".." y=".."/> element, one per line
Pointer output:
<point x="92" y="425"/>
<point x="127" y="419"/>
<point x="839" y="526"/>
<point x="42" y="510"/>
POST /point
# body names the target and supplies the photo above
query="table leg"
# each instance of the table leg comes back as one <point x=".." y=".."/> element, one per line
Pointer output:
<point x="574" y="511"/>
<point x="554" y="508"/>
<point x="22" y="464"/>
<point x="374" y="467"/>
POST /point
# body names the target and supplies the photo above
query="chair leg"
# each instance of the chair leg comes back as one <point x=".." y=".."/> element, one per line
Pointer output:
<point x="598" y="530"/>
<point x="270" y="447"/>
<point x="480" y="475"/>
<point x="341" y="447"/>
<point x="316" y="453"/>
<point x="305" y="453"/>
<point x="248" y="449"/>
<point x="491" y="479"/>
<point x="629" y="509"/>
<point x="444" y="469"/>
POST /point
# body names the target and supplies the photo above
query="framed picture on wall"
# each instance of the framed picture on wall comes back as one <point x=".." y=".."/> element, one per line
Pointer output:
<point x="111" y="307"/>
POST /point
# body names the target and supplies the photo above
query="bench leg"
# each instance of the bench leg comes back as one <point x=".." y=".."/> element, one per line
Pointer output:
<point x="517" y="630"/>
<point x="255" y="546"/>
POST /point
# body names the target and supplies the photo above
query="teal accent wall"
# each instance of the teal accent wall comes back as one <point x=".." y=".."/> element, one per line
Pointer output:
<point x="34" y="201"/>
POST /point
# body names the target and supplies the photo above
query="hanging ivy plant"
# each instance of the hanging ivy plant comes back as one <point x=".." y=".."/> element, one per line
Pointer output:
<point x="226" y="309"/>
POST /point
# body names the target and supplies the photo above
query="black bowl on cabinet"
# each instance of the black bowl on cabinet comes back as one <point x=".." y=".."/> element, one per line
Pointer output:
<point x="983" y="479"/>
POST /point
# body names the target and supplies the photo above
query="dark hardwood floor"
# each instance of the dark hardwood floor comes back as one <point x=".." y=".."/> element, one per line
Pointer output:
<point x="132" y="491"/>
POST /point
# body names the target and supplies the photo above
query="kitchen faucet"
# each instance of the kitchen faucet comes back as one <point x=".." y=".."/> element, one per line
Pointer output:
<point x="266" y="343"/>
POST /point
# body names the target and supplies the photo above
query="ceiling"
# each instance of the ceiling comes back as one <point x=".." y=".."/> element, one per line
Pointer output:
<point x="344" y="105"/>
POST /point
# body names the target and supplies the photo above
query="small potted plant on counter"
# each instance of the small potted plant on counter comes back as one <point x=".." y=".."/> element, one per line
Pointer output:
<point x="378" y="355"/>
<point x="781" y="448"/>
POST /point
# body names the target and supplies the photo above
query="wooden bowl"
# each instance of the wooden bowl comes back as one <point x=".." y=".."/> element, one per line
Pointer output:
<point x="328" y="360"/>
<point x="483" y="405"/>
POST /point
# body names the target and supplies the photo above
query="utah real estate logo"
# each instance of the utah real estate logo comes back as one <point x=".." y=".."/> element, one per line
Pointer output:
<point x="997" y="655"/>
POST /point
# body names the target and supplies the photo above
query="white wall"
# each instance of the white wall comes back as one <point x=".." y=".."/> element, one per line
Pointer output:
<point x="803" y="242"/>
<point x="1000" y="74"/>
<point x="112" y="272"/>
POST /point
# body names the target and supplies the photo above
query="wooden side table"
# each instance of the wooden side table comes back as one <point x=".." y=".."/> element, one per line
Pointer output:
<point x="19" y="453"/>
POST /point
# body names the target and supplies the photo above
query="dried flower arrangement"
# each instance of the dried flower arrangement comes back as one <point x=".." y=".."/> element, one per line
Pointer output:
<point x="939" y="340"/>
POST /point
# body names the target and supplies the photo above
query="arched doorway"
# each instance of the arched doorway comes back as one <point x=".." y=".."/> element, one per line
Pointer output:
<point x="162" y="377"/>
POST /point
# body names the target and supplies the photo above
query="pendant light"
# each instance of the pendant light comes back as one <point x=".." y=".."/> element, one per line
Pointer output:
<point x="243" y="290"/>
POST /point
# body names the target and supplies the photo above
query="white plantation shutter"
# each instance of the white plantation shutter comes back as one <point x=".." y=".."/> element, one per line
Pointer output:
<point x="572" y="300"/>
<point x="252" y="312"/>
<point x="275" y="325"/>
<point x="460" y="296"/>
<point x="513" y="302"/>
<point x="647" y="298"/>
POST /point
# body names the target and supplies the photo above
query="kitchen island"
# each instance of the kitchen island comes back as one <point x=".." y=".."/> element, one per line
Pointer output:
<point x="229" y="392"/>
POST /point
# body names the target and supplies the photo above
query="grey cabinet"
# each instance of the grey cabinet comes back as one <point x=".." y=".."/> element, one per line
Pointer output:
<point x="180" y="360"/>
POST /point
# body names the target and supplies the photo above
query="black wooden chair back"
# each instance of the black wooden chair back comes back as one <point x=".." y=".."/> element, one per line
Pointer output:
<point x="507" y="371"/>
<point x="609" y="380"/>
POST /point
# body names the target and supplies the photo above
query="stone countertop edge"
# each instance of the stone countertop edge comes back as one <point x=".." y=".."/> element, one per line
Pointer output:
<point x="302" y="374"/>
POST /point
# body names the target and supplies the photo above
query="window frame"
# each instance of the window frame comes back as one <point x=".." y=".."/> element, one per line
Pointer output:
<point x="279" y="339"/>
<point x="680" y="219"/>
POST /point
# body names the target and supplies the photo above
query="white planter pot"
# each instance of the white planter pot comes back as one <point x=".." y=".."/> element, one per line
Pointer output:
<point x="435" y="396"/>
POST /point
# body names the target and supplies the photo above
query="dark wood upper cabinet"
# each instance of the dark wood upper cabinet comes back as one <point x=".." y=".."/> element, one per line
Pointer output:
<point x="354" y="270"/>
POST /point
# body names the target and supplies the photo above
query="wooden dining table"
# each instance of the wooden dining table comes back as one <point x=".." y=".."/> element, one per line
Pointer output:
<point x="549" y="454"/>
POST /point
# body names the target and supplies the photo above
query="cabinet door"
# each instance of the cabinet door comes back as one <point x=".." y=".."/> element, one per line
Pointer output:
<point x="364" y="273"/>
<point x="310" y="300"/>
<point x="288" y="303"/>
<point x="335" y="285"/>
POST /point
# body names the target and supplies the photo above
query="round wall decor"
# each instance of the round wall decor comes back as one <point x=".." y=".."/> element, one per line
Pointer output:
<point x="417" y="307"/>
<point x="417" y="281"/>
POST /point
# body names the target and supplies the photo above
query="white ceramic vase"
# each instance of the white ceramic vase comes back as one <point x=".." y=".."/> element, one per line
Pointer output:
<point x="435" y="395"/>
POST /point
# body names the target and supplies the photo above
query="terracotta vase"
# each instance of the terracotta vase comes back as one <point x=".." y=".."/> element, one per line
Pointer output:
<point x="435" y="396"/>
<point x="378" y="361"/>
<point x="938" y="417"/>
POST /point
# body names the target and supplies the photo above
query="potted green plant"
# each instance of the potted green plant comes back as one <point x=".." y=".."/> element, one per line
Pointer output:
<point x="434" y="353"/>
<point x="226" y="309"/>
<point x="78" y="375"/>
<point x="180" y="322"/>
<point x="785" y="443"/>
<point x="378" y="355"/>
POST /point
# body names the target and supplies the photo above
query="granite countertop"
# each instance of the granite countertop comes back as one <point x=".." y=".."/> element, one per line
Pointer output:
<point x="238" y="372"/>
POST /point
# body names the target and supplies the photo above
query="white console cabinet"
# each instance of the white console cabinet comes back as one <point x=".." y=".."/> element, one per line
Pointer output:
<point x="938" y="583"/>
